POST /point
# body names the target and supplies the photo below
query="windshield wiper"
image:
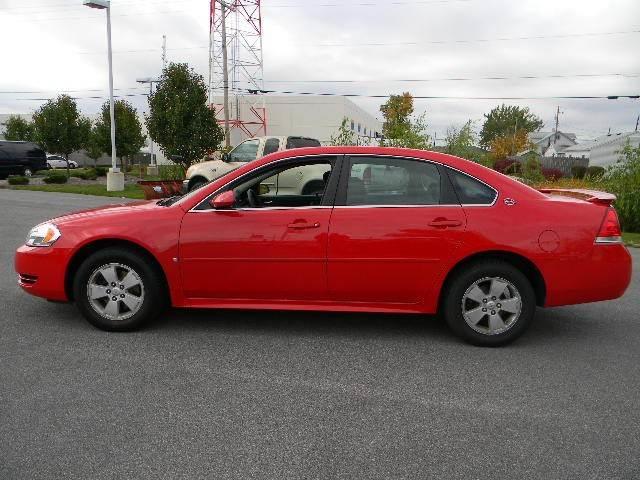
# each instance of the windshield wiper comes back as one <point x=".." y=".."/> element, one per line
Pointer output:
<point x="165" y="202"/>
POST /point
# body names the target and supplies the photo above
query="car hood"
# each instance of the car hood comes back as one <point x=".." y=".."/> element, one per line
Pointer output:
<point x="106" y="211"/>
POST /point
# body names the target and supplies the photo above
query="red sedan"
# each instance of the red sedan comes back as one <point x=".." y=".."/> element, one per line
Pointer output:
<point x="392" y="230"/>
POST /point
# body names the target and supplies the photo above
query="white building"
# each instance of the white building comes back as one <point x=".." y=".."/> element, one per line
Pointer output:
<point x="308" y="116"/>
<point x="606" y="149"/>
<point x="550" y="144"/>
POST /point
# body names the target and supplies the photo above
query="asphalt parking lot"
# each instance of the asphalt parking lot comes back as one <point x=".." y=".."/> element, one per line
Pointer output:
<point x="219" y="394"/>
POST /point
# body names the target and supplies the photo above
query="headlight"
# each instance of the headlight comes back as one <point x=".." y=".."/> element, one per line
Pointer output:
<point x="43" y="235"/>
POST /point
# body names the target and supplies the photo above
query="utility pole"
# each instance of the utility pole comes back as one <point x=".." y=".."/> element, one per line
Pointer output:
<point x="557" y="123"/>
<point x="225" y="76"/>
<point x="164" y="51"/>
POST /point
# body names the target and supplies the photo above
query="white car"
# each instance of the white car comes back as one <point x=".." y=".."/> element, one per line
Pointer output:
<point x="57" y="161"/>
<point x="300" y="182"/>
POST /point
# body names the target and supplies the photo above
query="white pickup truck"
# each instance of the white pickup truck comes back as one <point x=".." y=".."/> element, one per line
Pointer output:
<point x="304" y="182"/>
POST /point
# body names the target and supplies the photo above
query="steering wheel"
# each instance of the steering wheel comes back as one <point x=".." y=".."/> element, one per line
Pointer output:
<point x="251" y="198"/>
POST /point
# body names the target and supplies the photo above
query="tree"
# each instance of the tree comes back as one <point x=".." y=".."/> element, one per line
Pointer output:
<point x="179" y="119"/>
<point x="399" y="129"/>
<point x="463" y="141"/>
<point x="59" y="127"/>
<point x="506" y="120"/>
<point x="510" y="144"/>
<point x="344" y="136"/>
<point x="17" y="128"/>
<point x="129" y="137"/>
<point x="93" y="146"/>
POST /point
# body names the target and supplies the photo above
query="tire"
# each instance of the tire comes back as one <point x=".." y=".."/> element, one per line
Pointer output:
<point x="27" y="172"/>
<point x="196" y="184"/>
<point x="141" y="300"/>
<point x="507" y="313"/>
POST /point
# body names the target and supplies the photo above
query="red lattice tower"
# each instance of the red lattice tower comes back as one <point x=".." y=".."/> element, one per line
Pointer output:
<point x="245" y="68"/>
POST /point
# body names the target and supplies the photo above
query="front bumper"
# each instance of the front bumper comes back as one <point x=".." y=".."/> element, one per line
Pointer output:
<point x="41" y="271"/>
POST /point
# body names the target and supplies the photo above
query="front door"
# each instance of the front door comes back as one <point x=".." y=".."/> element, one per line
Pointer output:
<point x="267" y="247"/>
<point x="394" y="223"/>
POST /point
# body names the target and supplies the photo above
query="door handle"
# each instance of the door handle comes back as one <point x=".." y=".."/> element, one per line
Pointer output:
<point x="303" y="225"/>
<point x="442" y="222"/>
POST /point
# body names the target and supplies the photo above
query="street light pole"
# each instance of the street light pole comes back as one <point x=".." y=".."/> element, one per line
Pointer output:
<point x="115" y="178"/>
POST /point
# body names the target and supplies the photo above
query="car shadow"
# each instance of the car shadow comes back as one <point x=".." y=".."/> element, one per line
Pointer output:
<point x="303" y="323"/>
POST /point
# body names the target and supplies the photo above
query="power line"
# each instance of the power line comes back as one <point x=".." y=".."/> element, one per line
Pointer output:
<point x="387" y="44"/>
<point x="464" y="79"/>
<point x="443" y="97"/>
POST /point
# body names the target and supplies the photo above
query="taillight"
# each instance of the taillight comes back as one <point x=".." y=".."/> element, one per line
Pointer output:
<point x="610" y="228"/>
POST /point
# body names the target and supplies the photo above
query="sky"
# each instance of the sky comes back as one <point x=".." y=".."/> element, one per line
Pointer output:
<point x="572" y="47"/>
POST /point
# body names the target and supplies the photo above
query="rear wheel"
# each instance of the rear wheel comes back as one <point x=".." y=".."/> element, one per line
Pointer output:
<point x="490" y="303"/>
<point x="117" y="289"/>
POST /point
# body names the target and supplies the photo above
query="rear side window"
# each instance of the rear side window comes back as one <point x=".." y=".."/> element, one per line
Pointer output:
<point x="271" y="145"/>
<point x="471" y="191"/>
<point x="392" y="181"/>
<point x="301" y="142"/>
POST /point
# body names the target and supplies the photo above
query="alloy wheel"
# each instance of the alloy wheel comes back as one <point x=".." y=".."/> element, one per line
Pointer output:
<point x="115" y="291"/>
<point x="491" y="305"/>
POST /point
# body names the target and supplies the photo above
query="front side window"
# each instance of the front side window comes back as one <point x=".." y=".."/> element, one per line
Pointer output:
<point x="245" y="152"/>
<point x="392" y="181"/>
<point x="271" y="145"/>
<point x="294" y="184"/>
<point x="471" y="191"/>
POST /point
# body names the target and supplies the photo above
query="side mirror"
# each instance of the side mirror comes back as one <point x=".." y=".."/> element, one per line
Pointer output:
<point x="225" y="156"/>
<point x="223" y="201"/>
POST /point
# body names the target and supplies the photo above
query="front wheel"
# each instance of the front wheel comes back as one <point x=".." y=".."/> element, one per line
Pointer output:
<point x="117" y="290"/>
<point x="490" y="303"/>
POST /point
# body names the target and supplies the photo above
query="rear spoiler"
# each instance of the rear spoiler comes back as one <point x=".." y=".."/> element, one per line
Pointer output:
<point x="591" y="196"/>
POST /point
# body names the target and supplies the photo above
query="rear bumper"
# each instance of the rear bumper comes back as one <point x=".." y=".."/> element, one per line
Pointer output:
<point x="604" y="275"/>
<point x="41" y="271"/>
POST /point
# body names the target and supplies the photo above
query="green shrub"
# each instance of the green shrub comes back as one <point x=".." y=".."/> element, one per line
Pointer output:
<point x="595" y="172"/>
<point x="18" y="180"/>
<point x="623" y="180"/>
<point x="101" y="171"/>
<point x="89" y="174"/>
<point x="55" y="177"/>
<point x="578" y="171"/>
<point x="171" y="172"/>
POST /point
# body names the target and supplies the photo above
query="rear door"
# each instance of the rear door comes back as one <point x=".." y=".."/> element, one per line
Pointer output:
<point x="396" y="221"/>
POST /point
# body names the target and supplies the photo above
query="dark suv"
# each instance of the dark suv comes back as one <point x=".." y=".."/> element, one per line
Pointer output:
<point x="21" y="158"/>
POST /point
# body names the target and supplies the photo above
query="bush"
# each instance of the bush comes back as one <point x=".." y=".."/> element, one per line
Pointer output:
<point x="171" y="172"/>
<point x="507" y="166"/>
<point x="578" y="171"/>
<point x="552" y="173"/>
<point x="623" y="180"/>
<point x="595" y="172"/>
<point x="89" y="174"/>
<point x="101" y="171"/>
<point x="18" y="180"/>
<point x="55" y="177"/>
